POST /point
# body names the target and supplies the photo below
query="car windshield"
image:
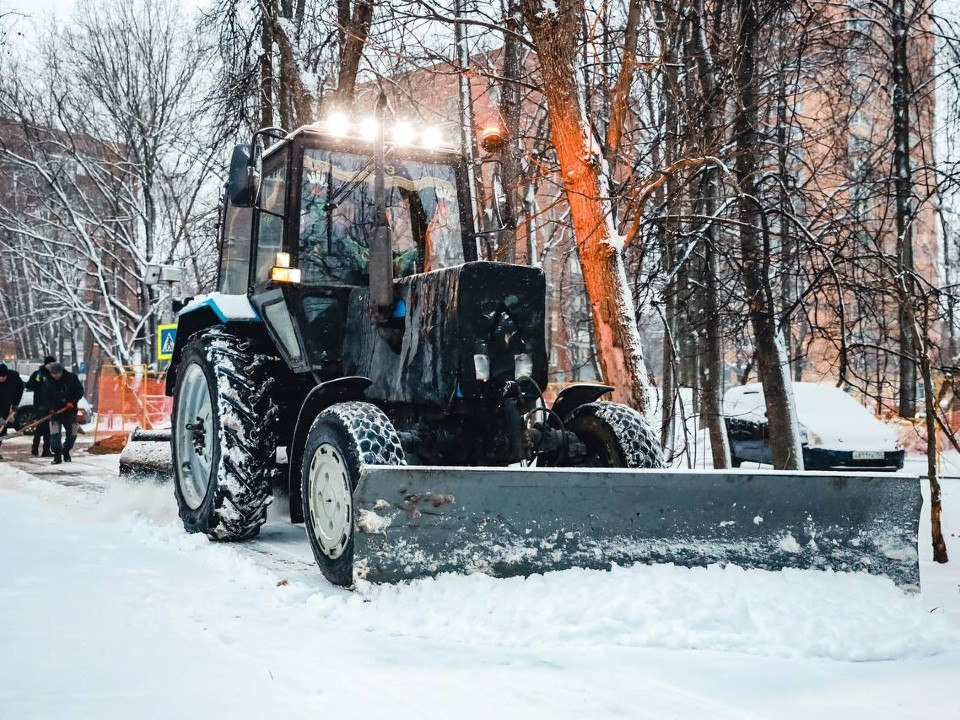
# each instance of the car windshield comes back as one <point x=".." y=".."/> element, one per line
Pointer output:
<point x="823" y="405"/>
<point x="337" y="216"/>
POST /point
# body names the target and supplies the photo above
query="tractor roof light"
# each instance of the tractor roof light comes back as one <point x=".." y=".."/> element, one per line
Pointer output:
<point x="431" y="137"/>
<point x="403" y="134"/>
<point x="338" y="124"/>
<point x="368" y="128"/>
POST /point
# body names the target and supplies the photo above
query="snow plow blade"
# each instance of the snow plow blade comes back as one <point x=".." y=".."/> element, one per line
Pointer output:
<point x="147" y="456"/>
<point x="420" y="521"/>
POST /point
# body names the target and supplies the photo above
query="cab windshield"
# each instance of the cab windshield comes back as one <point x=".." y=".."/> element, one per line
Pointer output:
<point x="337" y="215"/>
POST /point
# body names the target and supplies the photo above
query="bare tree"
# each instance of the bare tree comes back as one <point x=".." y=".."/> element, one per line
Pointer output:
<point x="555" y="31"/>
<point x="112" y="155"/>
<point x="283" y="59"/>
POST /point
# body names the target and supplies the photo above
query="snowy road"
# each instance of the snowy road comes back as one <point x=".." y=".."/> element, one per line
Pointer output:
<point x="108" y="610"/>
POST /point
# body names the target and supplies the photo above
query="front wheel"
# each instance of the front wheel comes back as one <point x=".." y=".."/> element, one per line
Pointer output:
<point x="226" y="419"/>
<point x="343" y="438"/>
<point x="615" y="436"/>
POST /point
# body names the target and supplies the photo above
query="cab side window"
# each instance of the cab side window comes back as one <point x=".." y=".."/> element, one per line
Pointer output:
<point x="273" y="205"/>
<point x="235" y="249"/>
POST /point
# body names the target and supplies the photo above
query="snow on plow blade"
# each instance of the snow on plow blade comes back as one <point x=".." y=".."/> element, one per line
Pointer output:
<point x="147" y="456"/>
<point x="419" y="521"/>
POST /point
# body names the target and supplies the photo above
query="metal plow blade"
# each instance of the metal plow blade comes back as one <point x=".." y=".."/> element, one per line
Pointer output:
<point x="419" y="521"/>
<point x="147" y="456"/>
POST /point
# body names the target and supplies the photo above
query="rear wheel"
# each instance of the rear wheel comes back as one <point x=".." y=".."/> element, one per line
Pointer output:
<point x="614" y="435"/>
<point x="226" y="417"/>
<point x="343" y="437"/>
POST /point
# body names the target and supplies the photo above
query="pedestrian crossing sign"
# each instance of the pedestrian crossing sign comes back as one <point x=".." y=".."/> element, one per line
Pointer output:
<point x="166" y="338"/>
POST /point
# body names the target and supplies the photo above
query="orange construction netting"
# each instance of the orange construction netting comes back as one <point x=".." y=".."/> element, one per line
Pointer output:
<point x="127" y="397"/>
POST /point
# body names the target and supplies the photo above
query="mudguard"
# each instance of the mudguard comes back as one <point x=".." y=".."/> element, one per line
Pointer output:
<point x="206" y="311"/>
<point x="413" y="522"/>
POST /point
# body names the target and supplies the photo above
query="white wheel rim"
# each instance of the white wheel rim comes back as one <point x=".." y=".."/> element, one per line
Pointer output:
<point x="331" y="500"/>
<point x="194" y="443"/>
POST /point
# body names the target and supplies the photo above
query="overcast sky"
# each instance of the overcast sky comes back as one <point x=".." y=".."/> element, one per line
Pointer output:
<point x="29" y="26"/>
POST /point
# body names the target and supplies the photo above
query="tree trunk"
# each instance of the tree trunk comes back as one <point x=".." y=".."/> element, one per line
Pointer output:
<point x="295" y="100"/>
<point x="903" y="184"/>
<point x="266" y="75"/>
<point x="771" y="359"/>
<point x="353" y="38"/>
<point x="584" y="175"/>
<point x="711" y="369"/>
<point x="510" y="104"/>
<point x="923" y="351"/>
<point x="673" y="313"/>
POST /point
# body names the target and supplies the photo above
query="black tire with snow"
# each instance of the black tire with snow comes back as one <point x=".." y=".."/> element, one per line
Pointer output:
<point x="341" y="439"/>
<point x="615" y="435"/>
<point x="246" y="404"/>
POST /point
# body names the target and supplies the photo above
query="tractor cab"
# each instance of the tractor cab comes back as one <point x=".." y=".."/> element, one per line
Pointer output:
<point x="298" y="223"/>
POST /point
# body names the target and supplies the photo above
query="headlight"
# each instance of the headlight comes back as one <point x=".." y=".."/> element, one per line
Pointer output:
<point x="285" y="274"/>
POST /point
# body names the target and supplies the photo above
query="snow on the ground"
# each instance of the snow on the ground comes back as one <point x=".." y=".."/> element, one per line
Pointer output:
<point x="108" y="610"/>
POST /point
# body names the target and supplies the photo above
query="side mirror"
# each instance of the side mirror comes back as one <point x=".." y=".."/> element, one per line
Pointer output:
<point x="244" y="181"/>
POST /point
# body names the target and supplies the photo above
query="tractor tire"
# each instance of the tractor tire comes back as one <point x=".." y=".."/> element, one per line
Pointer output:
<point x="616" y="436"/>
<point x="227" y="410"/>
<point x="341" y="439"/>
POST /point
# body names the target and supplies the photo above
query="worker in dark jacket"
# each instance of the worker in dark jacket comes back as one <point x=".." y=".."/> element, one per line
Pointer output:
<point x="42" y="431"/>
<point x="11" y="390"/>
<point x="60" y="394"/>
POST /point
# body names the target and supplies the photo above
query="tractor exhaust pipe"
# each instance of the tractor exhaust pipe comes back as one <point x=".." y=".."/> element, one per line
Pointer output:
<point x="381" y="242"/>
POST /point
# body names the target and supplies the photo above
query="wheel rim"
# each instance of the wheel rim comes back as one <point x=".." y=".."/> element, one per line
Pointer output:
<point x="331" y="500"/>
<point x="194" y="435"/>
<point x="600" y="452"/>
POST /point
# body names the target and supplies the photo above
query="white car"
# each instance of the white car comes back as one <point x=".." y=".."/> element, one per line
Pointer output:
<point x="837" y="432"/>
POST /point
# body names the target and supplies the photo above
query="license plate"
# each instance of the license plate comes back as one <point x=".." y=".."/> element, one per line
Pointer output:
<point x="867" y="455"/>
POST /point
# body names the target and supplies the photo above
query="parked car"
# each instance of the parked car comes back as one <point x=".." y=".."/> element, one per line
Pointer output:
<point x="27" y="413"/>
<point x="836" y="431"/>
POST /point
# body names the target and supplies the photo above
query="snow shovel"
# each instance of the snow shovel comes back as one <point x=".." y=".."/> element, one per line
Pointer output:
<point x="413" y="522"/>
<point x="28" y="426"/>
<point x="147" y="456"/>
